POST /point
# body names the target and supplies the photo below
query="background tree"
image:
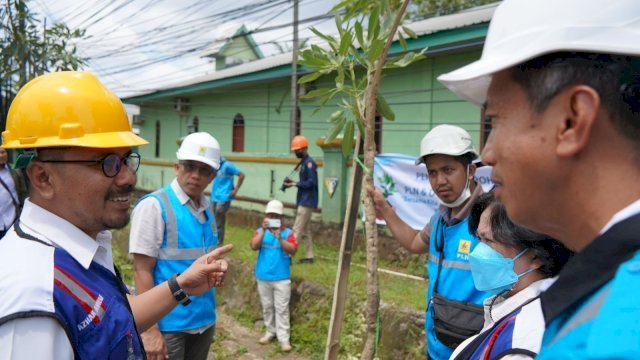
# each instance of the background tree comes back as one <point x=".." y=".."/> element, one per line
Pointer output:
<point x="422" y="9"/>
<point x="357" y="58"/>
<point x="28" y="48"/>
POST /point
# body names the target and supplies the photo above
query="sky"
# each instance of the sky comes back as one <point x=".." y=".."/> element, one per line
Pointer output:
<point x="138" y="46"/>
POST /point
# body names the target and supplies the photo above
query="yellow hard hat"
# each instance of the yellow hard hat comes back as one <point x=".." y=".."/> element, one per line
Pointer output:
<point x="69" y="108"/>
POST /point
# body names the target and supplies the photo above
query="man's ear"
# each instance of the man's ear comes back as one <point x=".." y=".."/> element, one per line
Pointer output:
<point x="581" y="106"/>
<point x="472" y="170"/>
<point x="41" y="179"/>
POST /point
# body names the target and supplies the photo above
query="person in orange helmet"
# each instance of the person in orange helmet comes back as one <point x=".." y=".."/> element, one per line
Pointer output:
<point x="307" y="197"/>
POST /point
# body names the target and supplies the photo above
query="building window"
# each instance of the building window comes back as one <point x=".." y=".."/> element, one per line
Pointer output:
<point x="297" y="126"/>
<point x="377" y="135"/>
<point x="237" y="140"/>
<point x="194" y="125"/>
<point x="157" y="138"/>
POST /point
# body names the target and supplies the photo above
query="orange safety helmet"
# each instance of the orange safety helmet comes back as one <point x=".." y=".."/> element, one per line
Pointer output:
<point x="67" y="108"/>
<point x="299" y="142"/>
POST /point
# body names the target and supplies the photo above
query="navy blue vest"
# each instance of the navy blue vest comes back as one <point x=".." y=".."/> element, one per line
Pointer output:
<point x="92" y="307"/>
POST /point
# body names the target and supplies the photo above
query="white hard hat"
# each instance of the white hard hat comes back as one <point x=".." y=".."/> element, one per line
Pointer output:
<point x="202" y="147"/>
<point x="274" y="207"/>
<point x="446" y="140"/>
<point x="523" y="29"/>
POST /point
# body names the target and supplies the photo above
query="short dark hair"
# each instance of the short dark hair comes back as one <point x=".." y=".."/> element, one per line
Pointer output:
<point x="549" y="251"/>
<point x="616" y="78"/>
<point x="466" y="158"/>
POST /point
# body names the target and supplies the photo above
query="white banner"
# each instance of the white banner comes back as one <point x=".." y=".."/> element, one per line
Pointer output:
<point x="406" y="187"/>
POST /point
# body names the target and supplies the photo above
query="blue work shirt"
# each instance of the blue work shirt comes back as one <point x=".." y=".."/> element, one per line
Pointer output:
<point x="591" y="311"/>
<point x="223" y="182"/>
<point x="308" y="184"/>
<point x="456" y="282"/>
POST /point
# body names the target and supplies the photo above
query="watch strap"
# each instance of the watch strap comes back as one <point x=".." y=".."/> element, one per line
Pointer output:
<point x="178" y="293"/>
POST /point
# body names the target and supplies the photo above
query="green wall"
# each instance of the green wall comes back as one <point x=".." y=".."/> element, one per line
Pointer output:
<point x="417" y="98"/>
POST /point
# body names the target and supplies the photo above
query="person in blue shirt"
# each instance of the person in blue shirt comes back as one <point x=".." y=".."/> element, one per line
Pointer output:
<point x="276" y="244"/>
<point x="447" y="152"/>
<point x="223" y="191"/>
<point x="559" y="82"/>
<point x="307" y="197"/>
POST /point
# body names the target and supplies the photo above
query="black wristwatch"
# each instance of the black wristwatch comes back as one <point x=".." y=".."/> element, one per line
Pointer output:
<point x="179" y="294"/>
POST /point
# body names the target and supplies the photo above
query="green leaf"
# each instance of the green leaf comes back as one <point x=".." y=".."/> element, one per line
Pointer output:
<point x="340" y="78"/>
<point x="327" y="38"/>
<point x="309" y="78"/>
<point x="347" y="139"/>
<point x="384" y="109"/>
<point x="340" y="5"/>
<point x="338" y="20"/>
<point x="316" y="93"/>
<point x="377" y="46"/>
<point x="374" y="23"/>
<point x="345" y="42"/>
<point x="337" y="129"/>
<point x="409" y="32"/>
<point x="336" y="115"/>
<point x="359" y="33"/>
<point x="403" y="42"/>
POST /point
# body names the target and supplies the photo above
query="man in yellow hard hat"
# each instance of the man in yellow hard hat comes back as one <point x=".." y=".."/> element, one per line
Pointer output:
<point x="307" y="197"/>
<point x="559" y="82"/>
<point x="60" y="294"/>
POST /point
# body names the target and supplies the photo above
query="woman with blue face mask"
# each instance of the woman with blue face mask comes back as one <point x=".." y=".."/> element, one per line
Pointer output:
<point x="515" y="265"/>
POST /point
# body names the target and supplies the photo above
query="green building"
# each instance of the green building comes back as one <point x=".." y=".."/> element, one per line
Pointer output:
<point x="245" y="104"/>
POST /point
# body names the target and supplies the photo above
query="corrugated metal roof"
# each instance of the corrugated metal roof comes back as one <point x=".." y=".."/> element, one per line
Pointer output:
<point x="477" y="15"/>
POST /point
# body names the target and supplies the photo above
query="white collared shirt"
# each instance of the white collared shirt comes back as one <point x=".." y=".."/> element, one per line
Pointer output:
<point x="147" y="226"/>
<point x="627" y="212"/>
<point x="18" y="337"/>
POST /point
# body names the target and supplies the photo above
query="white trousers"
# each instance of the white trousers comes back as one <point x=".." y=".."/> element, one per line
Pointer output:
<point x="274" y="296"/>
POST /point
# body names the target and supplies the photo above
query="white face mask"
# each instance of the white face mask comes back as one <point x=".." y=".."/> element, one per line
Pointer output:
<point x="466" y="194"/>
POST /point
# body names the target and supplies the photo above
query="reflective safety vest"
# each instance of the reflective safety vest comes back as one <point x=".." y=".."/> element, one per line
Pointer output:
<point x="604" y="326"/>
<point x="456" y="282"/>
<point x="185" y="240"/>
<point x="273" y="262"/>
<point x="90" y="305"/>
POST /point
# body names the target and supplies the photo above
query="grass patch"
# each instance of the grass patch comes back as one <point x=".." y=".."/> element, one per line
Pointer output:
<point x="395" y="290"/>
<point x="309" y="323"/>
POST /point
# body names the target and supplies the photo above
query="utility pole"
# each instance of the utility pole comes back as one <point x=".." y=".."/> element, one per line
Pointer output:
<point x="294" y="74"/>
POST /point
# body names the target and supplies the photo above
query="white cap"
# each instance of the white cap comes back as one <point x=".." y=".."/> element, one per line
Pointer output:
<point x="202" y="147"/>
<point x="274" y="207"/>
<point x="446" y="140"/>
<point x="521" y="30"/>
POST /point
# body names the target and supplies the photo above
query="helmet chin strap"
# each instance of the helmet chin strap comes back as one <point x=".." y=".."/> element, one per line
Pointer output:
<point x="464" y="196"/>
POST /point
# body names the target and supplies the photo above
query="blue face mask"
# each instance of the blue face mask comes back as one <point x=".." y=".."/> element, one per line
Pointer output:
<point x="491" y="271"/>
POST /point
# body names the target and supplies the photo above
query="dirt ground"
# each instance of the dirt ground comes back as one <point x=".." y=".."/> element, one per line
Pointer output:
<point x="234" y="341"/>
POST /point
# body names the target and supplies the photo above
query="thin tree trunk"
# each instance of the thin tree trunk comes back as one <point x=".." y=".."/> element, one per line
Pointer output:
<point x="371" y="230"/>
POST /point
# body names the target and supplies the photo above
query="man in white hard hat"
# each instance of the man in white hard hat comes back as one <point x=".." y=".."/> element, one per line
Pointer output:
<point x="447" y="151"/>
<point x="276" y="244"/>
<point x="170" y="228"/>
<point x="560" y="83"/>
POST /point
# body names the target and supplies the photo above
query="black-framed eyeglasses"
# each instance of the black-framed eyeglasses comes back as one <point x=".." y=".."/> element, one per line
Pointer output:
<point x="203" y="170"/>
<point x="111" y="164"/>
